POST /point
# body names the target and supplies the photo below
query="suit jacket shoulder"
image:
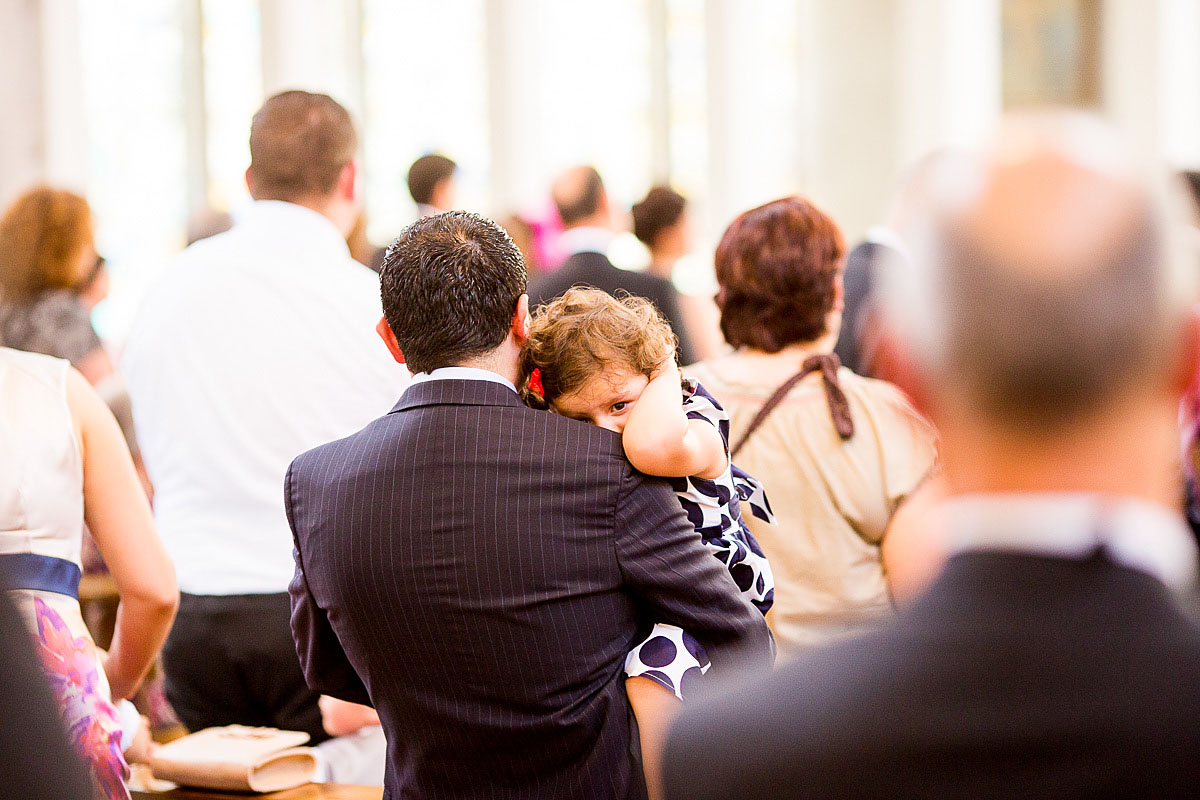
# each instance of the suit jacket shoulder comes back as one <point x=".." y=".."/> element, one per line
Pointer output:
<point x="1013" y="671"/>
<point x="568" y="439"/>
<point x="580" y="269"/>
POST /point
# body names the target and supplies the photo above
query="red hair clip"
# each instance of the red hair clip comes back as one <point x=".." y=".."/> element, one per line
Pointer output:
<point x="535" y="382"/>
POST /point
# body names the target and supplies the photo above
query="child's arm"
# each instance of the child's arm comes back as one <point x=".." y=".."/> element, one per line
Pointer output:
<point x="659" y="439"/>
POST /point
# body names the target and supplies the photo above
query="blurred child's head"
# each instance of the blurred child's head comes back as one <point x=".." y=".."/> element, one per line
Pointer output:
<point x="594" y="355"/>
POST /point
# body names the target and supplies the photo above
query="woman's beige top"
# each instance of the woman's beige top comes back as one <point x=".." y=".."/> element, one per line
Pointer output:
<point x="833" y="499"/>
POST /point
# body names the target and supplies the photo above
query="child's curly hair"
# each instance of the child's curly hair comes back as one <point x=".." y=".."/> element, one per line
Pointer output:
<point x="577" y="336"/>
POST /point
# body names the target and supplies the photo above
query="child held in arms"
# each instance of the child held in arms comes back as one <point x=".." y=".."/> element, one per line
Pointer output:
<point x="611" y="362"/>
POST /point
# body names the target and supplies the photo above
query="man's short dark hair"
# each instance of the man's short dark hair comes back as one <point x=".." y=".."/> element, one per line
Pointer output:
<point x="660" y="209"/>
<point x="450" y="286"/>
<point x="583" y="197"/>
<point x="425" y="174"/>
<point x="299" y="144"/>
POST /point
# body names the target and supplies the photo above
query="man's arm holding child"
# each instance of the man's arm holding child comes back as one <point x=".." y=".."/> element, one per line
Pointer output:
<point x="664" y="562"/>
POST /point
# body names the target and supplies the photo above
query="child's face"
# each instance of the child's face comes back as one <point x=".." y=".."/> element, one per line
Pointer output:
<point x="605" y="400"/>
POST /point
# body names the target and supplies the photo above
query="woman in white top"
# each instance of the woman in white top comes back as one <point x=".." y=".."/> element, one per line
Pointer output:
<point x="65" y="461"/>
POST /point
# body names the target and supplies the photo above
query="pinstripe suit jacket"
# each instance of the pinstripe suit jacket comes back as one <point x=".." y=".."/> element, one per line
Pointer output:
<point x="477" y="571"/>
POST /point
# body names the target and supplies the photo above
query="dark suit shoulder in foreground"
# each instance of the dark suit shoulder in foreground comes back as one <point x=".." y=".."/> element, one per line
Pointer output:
<point x="1015" y="676"/>
<point x="477" y="571"/>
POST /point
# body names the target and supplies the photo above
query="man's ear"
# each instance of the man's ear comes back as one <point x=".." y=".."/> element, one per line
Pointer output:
<point x="520" y="320"/>
<point x="605" y="209"/>
<point x="347" y="185"/>
<point x="389" y="338"/>
<point x="893" y="363"/>
<point x="1187" y="370"/>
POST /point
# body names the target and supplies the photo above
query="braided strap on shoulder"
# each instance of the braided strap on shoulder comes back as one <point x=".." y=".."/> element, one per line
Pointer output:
<point x="839" y="407"/>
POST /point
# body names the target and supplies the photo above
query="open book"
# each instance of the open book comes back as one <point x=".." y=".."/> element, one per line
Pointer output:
<point x="237" y="758"/>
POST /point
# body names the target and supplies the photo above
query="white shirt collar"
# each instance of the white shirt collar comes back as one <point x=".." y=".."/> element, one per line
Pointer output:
<point x="463" y="374"/>
<point x="293" y="222"/>
<point x="586" y="239"/>
<point x="881" y="234"/>
<point x="1134" y="533"/>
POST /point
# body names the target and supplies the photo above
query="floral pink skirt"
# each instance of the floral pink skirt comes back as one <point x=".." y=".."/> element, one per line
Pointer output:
<point x="71" y="664"/>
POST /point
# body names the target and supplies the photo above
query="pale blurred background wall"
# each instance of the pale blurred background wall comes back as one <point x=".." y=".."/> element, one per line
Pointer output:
<point x="145" y="104"/>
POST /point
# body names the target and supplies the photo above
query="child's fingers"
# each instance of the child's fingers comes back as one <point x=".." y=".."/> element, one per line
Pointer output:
<point x="666" y="367"/>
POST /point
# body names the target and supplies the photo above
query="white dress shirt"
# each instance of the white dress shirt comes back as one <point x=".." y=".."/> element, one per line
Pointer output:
<point x="586" y="239"/>
<point x="255" y="345"/>
<point x="881" y="234"/>
<point x="463" y="374"/>
<point x="1134" y="533"/>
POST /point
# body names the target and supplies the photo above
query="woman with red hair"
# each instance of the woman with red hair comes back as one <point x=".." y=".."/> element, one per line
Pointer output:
<point x="47" y="258"/>
<point x="836" y="452"/>
<point x="50" y="278"/>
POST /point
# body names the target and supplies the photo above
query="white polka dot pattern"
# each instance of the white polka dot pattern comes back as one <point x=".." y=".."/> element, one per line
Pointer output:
<point x="670" y="656"/>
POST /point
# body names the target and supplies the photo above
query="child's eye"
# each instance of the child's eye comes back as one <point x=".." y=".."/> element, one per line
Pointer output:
<point x="617" y="408"/>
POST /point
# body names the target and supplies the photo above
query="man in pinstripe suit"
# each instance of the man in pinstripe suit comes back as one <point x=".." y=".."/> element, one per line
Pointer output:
<point x="477" y="570"/>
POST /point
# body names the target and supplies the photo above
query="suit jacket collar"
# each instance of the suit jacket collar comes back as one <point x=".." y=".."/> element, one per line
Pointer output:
<point x="592" y="259"/>
<point x="456" y="393"/>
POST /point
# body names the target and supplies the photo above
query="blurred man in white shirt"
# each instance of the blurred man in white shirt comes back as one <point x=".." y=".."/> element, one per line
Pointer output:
<point x="256" y="345"/>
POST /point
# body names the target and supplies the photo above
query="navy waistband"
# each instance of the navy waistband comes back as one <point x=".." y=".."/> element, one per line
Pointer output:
<point x="42" y="573"/>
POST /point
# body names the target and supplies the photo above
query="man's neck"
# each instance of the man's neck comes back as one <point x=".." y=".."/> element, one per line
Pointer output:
<point x="326" y="208"/>
<point x="599" y="221"/>
<point x="1128" y="453"/>
<point x="662" y="265"/>
<point x="502" y="361"/>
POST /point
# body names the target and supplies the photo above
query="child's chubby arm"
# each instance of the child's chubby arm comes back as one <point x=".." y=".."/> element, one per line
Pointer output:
<point x="659" y="439"/>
